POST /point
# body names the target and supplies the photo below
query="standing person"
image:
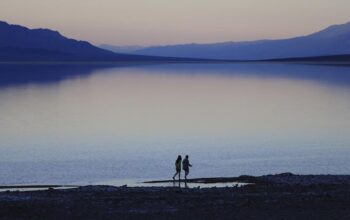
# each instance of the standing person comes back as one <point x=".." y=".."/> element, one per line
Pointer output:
<point x="186" y="166"/>
<point x="178" y="167"/>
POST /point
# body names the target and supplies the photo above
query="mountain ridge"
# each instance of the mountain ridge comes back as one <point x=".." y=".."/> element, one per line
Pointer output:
<point x="333" y="40"/>
<point x="18" y="36"/>
<point x="21" y="44"/>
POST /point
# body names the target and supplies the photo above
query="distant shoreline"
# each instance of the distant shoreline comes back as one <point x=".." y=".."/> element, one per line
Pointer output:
<point x="341" y="59"/>
<point x="279" y="179"/>
<point x="282" y="61"/>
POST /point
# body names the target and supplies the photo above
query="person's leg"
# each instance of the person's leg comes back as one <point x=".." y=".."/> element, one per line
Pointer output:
<point x="175" y="175"/>
<point x="186" y="174"/>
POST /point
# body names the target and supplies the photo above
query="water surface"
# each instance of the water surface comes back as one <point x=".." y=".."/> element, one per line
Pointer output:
<point x="88" y="124"/>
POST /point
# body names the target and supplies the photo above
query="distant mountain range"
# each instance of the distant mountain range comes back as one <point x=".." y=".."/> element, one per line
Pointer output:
<point x="333" y="40"/>
<point x="121" y="49"/>
<point x="18" y="43"/>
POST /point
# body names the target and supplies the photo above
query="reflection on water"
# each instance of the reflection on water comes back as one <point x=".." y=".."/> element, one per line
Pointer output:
<point x="177" y="184"/>
<point x="47" y="73"/>
<point x="24" y="74"/>
<point x="88" y="124"/>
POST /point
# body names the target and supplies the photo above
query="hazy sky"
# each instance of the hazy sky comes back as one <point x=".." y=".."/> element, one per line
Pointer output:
<point x="147" y="22"/>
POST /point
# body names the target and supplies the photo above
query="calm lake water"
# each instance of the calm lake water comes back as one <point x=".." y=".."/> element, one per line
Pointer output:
<point x="89" y="124"/>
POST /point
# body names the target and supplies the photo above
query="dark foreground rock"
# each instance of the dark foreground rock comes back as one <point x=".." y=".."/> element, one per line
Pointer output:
<point x="271" y="197"/>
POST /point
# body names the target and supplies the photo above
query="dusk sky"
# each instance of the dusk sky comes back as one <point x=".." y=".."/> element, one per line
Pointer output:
<point x="151" y="22"/>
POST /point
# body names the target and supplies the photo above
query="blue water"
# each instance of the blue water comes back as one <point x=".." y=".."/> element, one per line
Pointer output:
<point x="93" y="124"/>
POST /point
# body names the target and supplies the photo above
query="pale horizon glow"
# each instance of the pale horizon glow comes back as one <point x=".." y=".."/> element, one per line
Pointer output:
<point x="154" y="22"/>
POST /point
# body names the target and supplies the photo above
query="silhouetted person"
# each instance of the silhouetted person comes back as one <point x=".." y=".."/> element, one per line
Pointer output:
<point x="186" y="166"/>
<point x="178" y="167"/>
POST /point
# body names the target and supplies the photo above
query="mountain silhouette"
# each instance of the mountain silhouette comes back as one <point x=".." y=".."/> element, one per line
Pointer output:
<point x="121" y="49"/>
<point x="16" y="36"/>
<point x="334" y="40"/>
<point x="18" y="43"/>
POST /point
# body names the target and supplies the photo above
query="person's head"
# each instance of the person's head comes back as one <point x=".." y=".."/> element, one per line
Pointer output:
<point x="179" y="157"/>
<point x="186" y="156"/>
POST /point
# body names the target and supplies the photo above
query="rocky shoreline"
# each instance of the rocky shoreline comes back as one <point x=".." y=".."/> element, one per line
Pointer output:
<point x="283" y="196"/>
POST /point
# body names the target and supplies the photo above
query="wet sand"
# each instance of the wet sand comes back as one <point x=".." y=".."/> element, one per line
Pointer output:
<point x="284" y="196"/>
